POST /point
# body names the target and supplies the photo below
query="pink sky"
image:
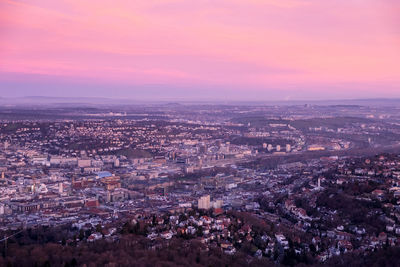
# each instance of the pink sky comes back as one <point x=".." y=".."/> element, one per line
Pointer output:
<point x="286" y="49"/>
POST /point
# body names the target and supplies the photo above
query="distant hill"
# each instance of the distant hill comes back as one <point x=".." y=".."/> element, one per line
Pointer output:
<point x="47" y="100"/>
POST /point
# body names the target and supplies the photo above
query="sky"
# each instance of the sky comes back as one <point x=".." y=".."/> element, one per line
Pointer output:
<point x="200" y="49"/>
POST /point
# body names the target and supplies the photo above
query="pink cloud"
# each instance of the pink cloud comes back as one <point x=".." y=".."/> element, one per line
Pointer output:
<point x="259" y="43"/>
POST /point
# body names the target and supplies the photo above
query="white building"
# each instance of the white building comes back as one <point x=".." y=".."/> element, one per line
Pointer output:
<point x="82" y="163"/>
<point x="204" y="202"/>
<point x="288" y="148"/>
<point x="217" y="203"/>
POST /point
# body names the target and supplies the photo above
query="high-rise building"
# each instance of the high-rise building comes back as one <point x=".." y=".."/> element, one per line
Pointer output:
<point x="288" y="147"/>
<point x="116" y="163"/>
<point x="204" y="202"/>
<point x="60" y="188"/>
<point x="265" y="145"/>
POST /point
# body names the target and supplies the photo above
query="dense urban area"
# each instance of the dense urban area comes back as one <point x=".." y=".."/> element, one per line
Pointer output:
<point x="199" y="184"/>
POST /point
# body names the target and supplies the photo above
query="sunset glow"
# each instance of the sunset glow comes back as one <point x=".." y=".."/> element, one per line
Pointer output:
<point x="278" y="49"/>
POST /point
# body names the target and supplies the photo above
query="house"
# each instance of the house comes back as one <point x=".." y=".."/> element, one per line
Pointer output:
<point x="230" y="250"/>
<point x="397" y="230"/>
<point x="343" y="236"/>
<point x="378" y="193"/>
<point x="382" y="237"/>
<point x="166" y="235"/>
<point x="374" y="241"/>
<point x="390" y="228"/>
<point x="95" y="236"/>
<point x="281" y="240"/>
<point x="109" y="232"/>
<point x="345" y="245"/>
<point x="225" y="244"/>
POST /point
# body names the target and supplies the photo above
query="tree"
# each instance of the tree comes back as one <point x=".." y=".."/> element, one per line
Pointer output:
<point x="81" y="234"/>
<point x="99" y="228"/>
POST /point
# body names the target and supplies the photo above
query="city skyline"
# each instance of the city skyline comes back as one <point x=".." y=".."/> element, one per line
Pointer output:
<point x="166" y="50"/>
<point x="200" y="133"/>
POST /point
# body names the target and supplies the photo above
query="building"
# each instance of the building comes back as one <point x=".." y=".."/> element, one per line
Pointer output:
<point x="116" y="163"/>
<point x="288" y="148"/>
<point x="269" y="147"/>
<point x="217" y="204"/>
<point x="204" y="202"/>
<point x="82" y="163"/>
<point x="60" y="188"/>
<point x="203" y="149"/>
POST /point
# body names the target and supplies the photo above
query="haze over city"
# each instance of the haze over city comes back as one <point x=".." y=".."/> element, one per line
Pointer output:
<point x="208" y="50"/>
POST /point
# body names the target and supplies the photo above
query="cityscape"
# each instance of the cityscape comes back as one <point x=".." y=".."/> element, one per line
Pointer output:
<point x="260" y="184"/>
<point x="163" y="133"/>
